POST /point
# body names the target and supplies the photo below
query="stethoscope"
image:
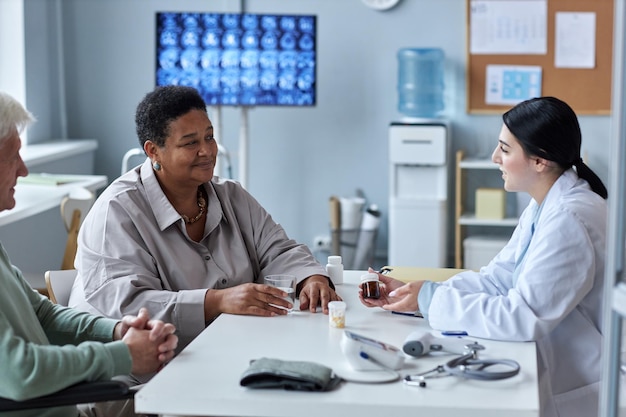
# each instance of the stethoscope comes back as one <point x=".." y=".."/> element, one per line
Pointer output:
<point x="468" y="366"/>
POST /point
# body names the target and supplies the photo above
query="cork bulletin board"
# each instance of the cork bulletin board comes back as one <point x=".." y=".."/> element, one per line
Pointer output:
<point x="587" y="90"/>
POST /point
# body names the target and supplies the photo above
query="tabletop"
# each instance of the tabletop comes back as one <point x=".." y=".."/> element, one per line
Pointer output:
<point x="203" y="380"/>
<point x="32" y="199"/>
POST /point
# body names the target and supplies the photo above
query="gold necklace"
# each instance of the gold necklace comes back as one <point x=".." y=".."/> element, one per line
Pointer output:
<point x="202" y="205"/>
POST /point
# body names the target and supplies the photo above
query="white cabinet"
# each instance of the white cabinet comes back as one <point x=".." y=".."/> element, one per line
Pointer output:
<point x="418" y="193"/>
<point x="466" y="218"/>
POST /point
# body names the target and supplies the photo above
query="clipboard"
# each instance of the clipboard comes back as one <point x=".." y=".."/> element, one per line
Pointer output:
<point x="413" y="273"/>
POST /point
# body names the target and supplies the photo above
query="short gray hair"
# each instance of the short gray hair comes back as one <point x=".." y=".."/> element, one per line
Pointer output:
<point x="12" y="116"/>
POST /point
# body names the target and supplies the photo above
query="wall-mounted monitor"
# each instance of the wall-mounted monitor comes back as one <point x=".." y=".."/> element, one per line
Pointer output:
<point x="239" y="59"/>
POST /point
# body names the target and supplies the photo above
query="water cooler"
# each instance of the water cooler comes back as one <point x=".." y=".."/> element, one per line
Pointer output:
<point x="418" y="159"/>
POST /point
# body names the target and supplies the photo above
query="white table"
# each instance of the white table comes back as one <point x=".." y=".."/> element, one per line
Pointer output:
<point x="32" y="214"/>
<point x="32" y="199"/>
<point x="204" y="379"/>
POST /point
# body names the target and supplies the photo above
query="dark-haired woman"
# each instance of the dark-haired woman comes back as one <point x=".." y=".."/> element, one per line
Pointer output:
<point x="188" y="246"/>
<point x="546" y="283"/>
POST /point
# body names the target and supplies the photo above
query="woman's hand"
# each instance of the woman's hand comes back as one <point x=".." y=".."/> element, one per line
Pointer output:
<point x="404" y="298"/>
<point x="246" y="299"/>
<point x="394" y="294"/>
<point x="316" y="291"/>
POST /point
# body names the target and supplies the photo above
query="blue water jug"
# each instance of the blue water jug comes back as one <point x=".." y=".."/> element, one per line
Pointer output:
<point x="420" y="81"/>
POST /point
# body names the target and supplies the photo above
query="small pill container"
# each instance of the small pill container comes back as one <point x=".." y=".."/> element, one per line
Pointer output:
<point x="337" y="314"/>
<point x="370" y="285"/>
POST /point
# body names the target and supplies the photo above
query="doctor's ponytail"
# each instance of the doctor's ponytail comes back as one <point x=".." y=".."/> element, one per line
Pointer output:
<point x="594" y="181"/>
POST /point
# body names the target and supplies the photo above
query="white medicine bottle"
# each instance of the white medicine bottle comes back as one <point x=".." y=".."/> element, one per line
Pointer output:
<point x="334" y="268"/>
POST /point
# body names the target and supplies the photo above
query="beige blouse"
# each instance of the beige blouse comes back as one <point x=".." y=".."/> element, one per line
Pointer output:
<point x="134" y="251"/>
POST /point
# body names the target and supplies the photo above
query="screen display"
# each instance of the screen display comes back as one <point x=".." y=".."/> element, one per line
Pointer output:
<point x="239" y="59"/>
<point x="371" y="342"/>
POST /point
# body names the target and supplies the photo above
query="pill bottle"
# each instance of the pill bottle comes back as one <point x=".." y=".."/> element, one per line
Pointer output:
<point x="370" y="285"/>
<point x="337" y="314"/>
<point x="334" y="268"/>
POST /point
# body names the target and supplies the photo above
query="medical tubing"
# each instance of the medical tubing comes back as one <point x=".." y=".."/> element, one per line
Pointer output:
<point x="461" y="366"/>
<point x="382" y="366"/>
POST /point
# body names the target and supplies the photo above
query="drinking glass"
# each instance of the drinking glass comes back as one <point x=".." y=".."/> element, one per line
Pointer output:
<point x="286" y="283"/>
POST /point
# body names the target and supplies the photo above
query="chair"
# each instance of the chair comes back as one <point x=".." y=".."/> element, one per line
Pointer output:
<point x="59" y="285"/>
<point x="74" y="208"/>
<point x="131" y="153"/>
<point x="87" y="392"/>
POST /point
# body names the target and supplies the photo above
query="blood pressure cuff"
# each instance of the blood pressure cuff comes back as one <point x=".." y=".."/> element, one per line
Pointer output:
<point x="289" y="375"/>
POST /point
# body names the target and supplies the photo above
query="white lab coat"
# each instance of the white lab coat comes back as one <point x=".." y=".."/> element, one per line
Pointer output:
<point x="555" y="301"/>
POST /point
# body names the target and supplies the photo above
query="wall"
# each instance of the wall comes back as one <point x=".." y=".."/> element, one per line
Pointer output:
<point x="298" y="157"/>
<point x="44" y="84"/>
<point x="12" y="77"/>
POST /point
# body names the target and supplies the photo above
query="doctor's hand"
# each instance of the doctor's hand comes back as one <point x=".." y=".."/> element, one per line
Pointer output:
<point x="404" y="298"/>
<point x="394" y="294"/>
<point x="316" y="291"/>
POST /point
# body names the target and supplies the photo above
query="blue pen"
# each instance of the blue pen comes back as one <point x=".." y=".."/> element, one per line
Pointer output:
<point x="454" y="333"/>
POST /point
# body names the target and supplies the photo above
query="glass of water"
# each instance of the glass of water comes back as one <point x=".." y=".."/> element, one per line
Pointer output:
<point x="286" y="283"/>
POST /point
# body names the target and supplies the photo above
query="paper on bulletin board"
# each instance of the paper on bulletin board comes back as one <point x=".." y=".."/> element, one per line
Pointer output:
<point x="575" y="43"/>
<point x="508" y="27"/>
<point x="506" y="84"/>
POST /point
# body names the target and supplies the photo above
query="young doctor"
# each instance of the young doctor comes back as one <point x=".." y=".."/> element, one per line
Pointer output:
<point x="546" y="284"/>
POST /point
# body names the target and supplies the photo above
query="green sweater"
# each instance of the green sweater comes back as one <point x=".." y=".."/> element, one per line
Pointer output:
<point x="45" y="347"/>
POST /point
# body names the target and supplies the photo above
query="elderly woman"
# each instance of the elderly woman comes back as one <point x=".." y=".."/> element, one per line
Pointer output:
<point x="188" y="246"/>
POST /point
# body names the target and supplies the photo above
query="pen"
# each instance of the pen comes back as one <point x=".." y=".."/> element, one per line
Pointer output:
<point x="402" y="313"/>
<point x="454" y="333"/>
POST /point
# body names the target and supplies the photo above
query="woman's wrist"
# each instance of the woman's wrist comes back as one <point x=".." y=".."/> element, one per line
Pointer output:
<point x="211" y="305"/>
